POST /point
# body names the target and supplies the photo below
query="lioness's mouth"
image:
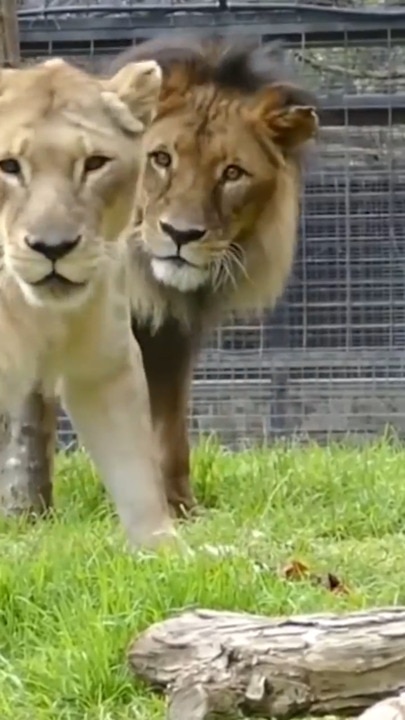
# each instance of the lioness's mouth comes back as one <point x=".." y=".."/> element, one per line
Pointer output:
<point x="55" y="281"/>
<point x="176" y="260"/>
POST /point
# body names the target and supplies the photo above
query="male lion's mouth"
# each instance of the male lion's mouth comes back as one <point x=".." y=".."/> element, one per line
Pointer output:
<point x="54" y="281"/>
<point x="175" y="271"/>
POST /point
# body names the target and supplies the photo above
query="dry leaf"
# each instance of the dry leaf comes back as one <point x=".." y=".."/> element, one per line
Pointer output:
<point x="336" y="586"/>
<point x="297" y="570"/>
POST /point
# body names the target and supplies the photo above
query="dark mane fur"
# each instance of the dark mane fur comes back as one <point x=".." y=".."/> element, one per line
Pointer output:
<point x="243" y="66"/>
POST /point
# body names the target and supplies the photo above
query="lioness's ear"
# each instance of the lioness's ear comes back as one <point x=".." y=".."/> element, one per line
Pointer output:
<point x="54" y="62"/>
<point x="287" y="116"/>
<point x="136" y="87"/>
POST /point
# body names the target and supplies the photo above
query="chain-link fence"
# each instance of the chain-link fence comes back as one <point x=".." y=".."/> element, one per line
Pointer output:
<point x="330" y="360"/>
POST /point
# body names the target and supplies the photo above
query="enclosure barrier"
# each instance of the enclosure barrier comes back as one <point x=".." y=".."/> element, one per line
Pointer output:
<point x="330" y="360"/>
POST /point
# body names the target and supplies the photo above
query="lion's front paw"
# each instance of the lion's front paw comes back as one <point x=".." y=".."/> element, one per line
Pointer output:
<point x="165" y="540"/>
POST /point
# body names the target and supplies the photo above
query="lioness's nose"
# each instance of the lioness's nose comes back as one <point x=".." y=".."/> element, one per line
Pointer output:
<point x="52" y="248"/>
<point x="184" y="235"/>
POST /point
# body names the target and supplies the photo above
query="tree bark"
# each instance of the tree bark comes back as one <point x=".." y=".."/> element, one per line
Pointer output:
<point x="26" y="442"/>
<point x="239" y="664"/>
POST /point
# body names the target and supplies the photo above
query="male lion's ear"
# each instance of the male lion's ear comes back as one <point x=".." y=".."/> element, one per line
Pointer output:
<point x="134" y="91"/>
<point x="294" y="125"/>
<point x="287" y="116"/>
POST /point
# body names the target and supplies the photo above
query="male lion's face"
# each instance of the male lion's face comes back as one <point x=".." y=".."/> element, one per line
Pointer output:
<point x="212" y="162"/>
<point x="68" y="151"/>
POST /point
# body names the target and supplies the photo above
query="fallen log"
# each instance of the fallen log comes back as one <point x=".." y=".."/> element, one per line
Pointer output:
<point x="392" y="708"/>
<point x="238" y="664"/>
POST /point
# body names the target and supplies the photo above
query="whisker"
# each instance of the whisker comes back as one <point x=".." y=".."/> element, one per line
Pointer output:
<point x="228" y="267"/>
<point x="222" y="271"/>
<point x="217" y="272"/>
<point x="238" y="256"/>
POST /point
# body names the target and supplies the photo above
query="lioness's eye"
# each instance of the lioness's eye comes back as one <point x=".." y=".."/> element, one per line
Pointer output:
<point x="233" y="173"/>
<point x="10" y="166"/>
<point x="161" y="158"/>
<point x="95" y="162"/>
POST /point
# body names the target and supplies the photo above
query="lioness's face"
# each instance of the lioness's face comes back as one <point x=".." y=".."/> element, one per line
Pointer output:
<point x="68" y="152"/>
<point x="210" y="169"/>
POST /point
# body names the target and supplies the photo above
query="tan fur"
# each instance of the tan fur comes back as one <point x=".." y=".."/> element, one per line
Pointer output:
<point x="74" y="330"/>
<point x="222" y="104"/>
<point x="245" y="257"/>
<point x="218" y="106"/>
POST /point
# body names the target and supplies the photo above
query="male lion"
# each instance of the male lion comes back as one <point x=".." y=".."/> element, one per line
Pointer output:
<point x="216" y="216"/>
<point x="68" y="163"/>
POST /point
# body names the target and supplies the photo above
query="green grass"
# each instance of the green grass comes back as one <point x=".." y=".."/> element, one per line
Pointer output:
<point x="71" y="598"/>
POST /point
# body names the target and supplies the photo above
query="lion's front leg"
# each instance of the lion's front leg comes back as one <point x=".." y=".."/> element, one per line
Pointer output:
<point x="20" y="351"/>
<point x="172" y="436"/>
<point x="112" y="417"/>
<point x="168" y="355"/>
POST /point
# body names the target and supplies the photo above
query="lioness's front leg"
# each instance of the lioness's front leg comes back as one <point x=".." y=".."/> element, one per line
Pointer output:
<point x="112" y="416"/>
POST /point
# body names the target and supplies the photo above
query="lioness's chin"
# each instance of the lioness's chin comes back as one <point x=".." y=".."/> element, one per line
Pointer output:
<point x="56" y="294"/>
<point x="182" y="277"/>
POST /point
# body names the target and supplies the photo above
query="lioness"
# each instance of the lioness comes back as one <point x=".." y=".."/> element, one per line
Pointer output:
<point x="68" y="163"/>
<point x="216" y="216"/>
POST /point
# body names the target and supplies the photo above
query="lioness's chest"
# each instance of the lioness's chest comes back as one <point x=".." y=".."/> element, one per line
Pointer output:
<point x="90" y="342"/>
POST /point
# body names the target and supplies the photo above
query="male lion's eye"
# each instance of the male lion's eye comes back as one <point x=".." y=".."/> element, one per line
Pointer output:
<point x="161" y="158"/>
<point x="10" y="166"/>
<point x="95" y="162"/>
<point x="232" y="173"/>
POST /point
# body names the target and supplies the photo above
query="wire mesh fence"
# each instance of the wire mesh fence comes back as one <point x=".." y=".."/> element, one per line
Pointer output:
<point x="330" y="360"/>
<point x="42" y="6"/>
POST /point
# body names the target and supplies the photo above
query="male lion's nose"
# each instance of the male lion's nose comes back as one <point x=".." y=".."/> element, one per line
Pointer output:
<point x="184" y="235"/>
<point x="52" y="248"/>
